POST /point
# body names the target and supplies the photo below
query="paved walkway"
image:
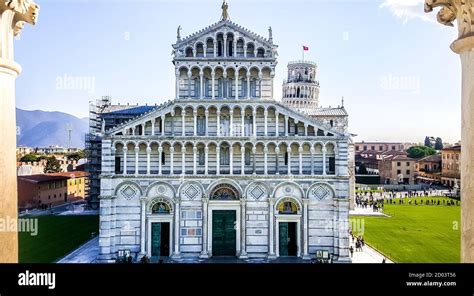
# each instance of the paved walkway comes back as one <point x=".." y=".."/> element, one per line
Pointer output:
<point x="87" y="253"/>
<point x="359" y="211"/>
<point x="368" y="255"/>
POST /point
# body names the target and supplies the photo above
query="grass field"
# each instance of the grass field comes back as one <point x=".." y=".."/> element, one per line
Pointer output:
<point x="415" y="233"/>
<point x="57" y="236"/>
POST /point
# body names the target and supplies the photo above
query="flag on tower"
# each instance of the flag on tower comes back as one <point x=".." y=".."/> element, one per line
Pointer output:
<point x="305" y="48"/>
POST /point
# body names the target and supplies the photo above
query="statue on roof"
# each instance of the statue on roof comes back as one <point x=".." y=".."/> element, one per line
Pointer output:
<point x="270" y="35"/>
<point x="178" y="33"/>
<point x="225" y="13"/>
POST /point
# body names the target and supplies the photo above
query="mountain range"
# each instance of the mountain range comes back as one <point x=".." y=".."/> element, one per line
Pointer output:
<point x="43" y="128"/>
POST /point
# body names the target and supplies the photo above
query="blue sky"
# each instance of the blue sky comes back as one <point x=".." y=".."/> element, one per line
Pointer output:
<point x="390" y="61"/>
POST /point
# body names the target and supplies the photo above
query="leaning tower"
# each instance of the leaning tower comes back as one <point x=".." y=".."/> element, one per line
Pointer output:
<point x="301" y="90"/>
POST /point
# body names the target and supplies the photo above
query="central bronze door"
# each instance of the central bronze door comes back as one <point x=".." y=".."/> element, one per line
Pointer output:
<point x="287" y="238"/>
<point x="224" y="233"/>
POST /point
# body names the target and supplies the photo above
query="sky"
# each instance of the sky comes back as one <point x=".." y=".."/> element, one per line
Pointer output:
<point x="389" y="60"/>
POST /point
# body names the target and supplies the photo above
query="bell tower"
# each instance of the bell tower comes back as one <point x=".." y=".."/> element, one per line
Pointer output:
<point x="300" y="89"/>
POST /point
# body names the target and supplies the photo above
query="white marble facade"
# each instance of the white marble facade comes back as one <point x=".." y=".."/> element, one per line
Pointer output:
<point x="225" y="144"/>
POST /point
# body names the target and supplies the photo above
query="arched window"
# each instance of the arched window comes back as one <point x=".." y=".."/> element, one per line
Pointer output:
<point x="161" y="208"/>
<point x="224" y="192"/>
<point x="189" y="52"/>
<point x="331" y="122"/>
<point x="201" y="125"/>
<point x="260" y="53"/>
<point x="201" y="156"/>
<point x="225" y="155"/>
<point x="247" y="156"/>
<point x="287" y="207"/>
<point x="200" y="50"/>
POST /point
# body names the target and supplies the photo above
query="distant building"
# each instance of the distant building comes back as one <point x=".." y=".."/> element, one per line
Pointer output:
<point x="48" y="190"/>
<point x="37" y="167"/>
<point x="55" y="149"/>
<point x="22" y="151"/>
<point x="451" y="166"/>
<point x="378" y="146"/>
<point x="397" y="169"/>
<point x="428" y="169"/>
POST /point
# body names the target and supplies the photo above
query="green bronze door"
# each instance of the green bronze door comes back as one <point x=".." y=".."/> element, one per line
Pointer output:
<point x="223" y="233"/>
<point x="155" y="239"/>
<point x="283" y="238"/>
<point x="287" y="239"/>
<point x="160" y="239"/>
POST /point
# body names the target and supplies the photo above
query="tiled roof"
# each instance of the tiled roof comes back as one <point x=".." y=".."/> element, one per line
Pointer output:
<point x="42" y="178"/>
<point x="431" y="158"/>
<point x="457" y="147"/>
<point x="137" y="110"/>
<point x="328" y="112"/>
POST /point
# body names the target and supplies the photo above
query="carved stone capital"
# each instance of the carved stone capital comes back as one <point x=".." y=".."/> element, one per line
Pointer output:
<point x="463" y="11"/>
<point x="22" y="11"/>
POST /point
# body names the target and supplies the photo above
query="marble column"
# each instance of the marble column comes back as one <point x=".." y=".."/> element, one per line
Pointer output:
<point x="160" y="155"/>
<point x="163" y="119"/>
<point x="177" y="212"/>
<point x="183" y="160"/>
<point x="242" y="160"/>
<point x="218" y="160"/>
<point x="137" y="150"/>
<point x="206" y="157"/>
<point x="289" y="160"/>
<point x="265" y="158"/>
<point x="201" y="85"/>
<point x="286" y="126"/>
<point x="142" y="226"/>
<point x="463" y="11"/>
<point x="205" y="213"/>
<point x="190" y="75"/>
<point x="254" y="124"/>
<point x="277" y="117"/>
<point x="313" y="151"/>
<point x="183" y="122"/>
<point x="218" y="123"/>
<point x="148" y="156"/>
<point x="171" y="160"/>
<point x="153" y="127"/>
<point x="324" y="161"/>
<point x="242" y="114"/>
<point x="300" y="151"/>
<point x="125" y="151"/>
<point x="213" y="86"/>
<point x="206" y="113"/>
<point x="271" y="244"/>
<point x="231" y="111"/>
<point x="265" y="115"/>
<point x="177" y="83"/>
<point x="277" y="152"/>
<point x="195" y="113"/>
<point x="143" y="129"/>
<point x="254" y="161"/>
<point x="243" y="231"/>
<point x="236" y="85"/>
<point x="231" y="160"/>
<point x="194" y="160"/>
<point x="248" y="85"/>
<point x="305" y="229"/>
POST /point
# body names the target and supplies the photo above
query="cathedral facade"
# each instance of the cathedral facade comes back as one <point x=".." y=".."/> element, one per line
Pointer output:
<point x="224" y="169"/>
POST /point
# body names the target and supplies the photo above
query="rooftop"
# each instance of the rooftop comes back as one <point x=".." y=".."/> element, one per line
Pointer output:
<point x="340" y="111"/>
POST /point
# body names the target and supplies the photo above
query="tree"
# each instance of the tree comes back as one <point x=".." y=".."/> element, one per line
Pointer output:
<point x="428" y="142"/>
<point x="420" y="151"/>
<point x="29" y="158"/>
<point x="76" y="155"/>
<point x="439" y="144"/>
<point x="363" y="169"/>
<point x="52" y="165"/>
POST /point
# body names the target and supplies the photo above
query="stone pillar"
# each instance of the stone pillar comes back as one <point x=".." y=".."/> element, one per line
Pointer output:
<point x="153" y="127"/>
<point x="195" y="113"/>
<point x="204" y="252"/>
<point x="242" y="163"/>
<point x="277" y="152"/>
<point x="277" y="117"/>
<point x="148" y="152"/>
<point x="163" y="119"/>
<point x="142" y="226"/>
<point x="137" y="150"/>
<point x="236" y="85"/>
<point x="218" y="123"/>
<point x="218" y="160"/>
<point x="248" y="83"/>
<point x="194" y="160"/>
<point x="183" y="122"/>
<point x="143" y="129"/>
<point x="286" y="126"/>
<point x="231" y="111"/>
<point x="289" y="159"/>
<point x="312" y="160"/>
<point x="225" y="46"/>
<point x="305" y="129"/>
<point x="300" y="151"/>
<point x="243" y="232"/>
<point x="201" y="85"/>
<point x="172" y="123"/>
<point x="213" y="86"/>
<point x="242" y="114"/>
<point x="183" y="160"/>
<point x="206" y="157"/>
<point x="160" y="155"/>
<point x="254" y="161"/>
<point x="305" y="229"/>
<point x="265" y="114"/>
<point x="463" y="11"/>
<point x="265" y="157"/>
<point x="271" y="243"/>
<point x="125" y="150"/>
<point x="171" y="160"/>
<point x="245" y="50"/>
<point x="324" y="161"/>
<point x="177" y="215"/>
<point x="206" y="113"/>
<point x="254" y="124"/>
<point x="231" y="159"/>
<point x="190" y="75"/>
<point x="177" y="83"/>
<point x="260" y="83"/>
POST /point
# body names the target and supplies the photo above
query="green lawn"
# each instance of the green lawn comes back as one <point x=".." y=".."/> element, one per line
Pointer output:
<point x="415" y="233"/>
<point x="57" y="236"/>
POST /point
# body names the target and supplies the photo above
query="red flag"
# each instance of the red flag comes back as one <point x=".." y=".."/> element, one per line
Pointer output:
<point x="305" y="48"/>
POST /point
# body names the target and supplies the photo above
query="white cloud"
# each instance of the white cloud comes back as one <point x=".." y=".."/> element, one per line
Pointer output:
<point x="408" y="9"/>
